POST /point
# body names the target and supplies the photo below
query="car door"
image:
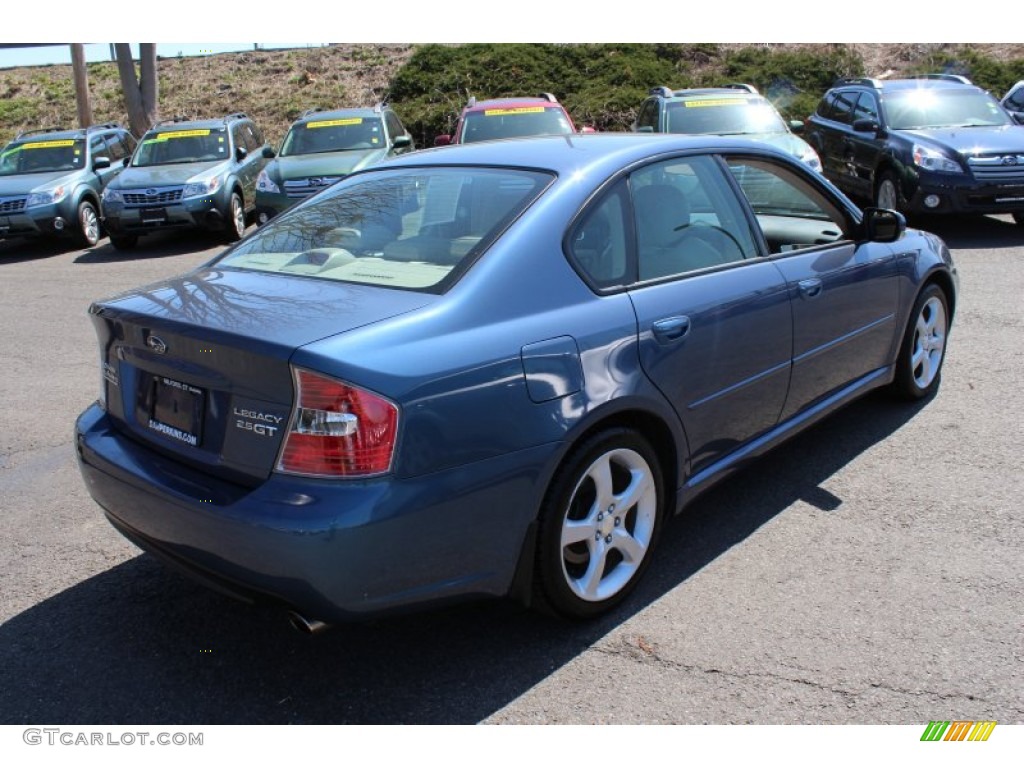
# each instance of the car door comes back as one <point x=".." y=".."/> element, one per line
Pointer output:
<point x="98" y="147"/>
<point x="249" y="167"/>
<point x="714" y="323"/>
<point x="844" y="293"/>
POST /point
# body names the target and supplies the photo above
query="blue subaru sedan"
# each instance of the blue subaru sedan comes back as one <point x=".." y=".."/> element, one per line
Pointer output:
<point x="496" y="369"/>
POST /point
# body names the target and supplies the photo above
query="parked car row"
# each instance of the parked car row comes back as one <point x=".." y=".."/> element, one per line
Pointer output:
<point x="929" y="144"/>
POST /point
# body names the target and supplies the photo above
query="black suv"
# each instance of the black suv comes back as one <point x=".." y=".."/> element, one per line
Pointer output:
<point x="930" y="144"/>
<point x="196" y="173"/>
<point x="51" y="180"/>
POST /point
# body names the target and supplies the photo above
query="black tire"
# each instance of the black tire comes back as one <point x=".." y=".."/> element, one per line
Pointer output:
<point x="124" y="242"/>
<point x="608" y="548"/>
<point x="919" y="365"/>
<point x="887" y="192"/>
<point x="234" y="219"/>
<point x="88" y="222"/>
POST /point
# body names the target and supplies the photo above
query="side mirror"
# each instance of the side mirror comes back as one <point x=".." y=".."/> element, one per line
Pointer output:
<point x="126" y="161"/>
<point x="241" y="153"/>
<point x="443" y="140"/>
<point x="796" y="126"/>
<point x="881" y="225"/>
<point x="402" y="142"/>
<point x="865" y="125"/>
<point x="268" y="152"/>
<point x="101" y="162"/>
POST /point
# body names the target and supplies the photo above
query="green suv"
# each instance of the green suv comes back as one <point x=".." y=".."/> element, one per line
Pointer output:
<point x="197" y="173"/>
<point x="322" y="147"/>
<point x="51" y="180"/>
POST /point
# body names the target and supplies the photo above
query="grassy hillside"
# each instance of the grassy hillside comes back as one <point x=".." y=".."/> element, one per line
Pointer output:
<point x="602" y="84"/>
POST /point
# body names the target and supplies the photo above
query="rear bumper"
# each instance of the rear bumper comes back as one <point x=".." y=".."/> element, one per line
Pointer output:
<point x="333" y="550"/>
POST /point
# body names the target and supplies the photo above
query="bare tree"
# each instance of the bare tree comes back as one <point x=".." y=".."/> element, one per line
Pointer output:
<point x="140" y="92"/>
<point x="81" y="85"/>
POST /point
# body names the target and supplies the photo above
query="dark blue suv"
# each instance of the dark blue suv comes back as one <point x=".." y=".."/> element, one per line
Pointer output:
<point x="931" y="144"/>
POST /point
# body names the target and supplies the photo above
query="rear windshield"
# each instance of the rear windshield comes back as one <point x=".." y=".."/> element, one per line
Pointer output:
<point x="724" y="115"/>
<point x="415" y="229"/>
<point x="182" y="146"/>
<point x="512" y="122"/>
<point x="942" y="108"/>
<point x="334" y="135"/>
<point x="42" y="156"/>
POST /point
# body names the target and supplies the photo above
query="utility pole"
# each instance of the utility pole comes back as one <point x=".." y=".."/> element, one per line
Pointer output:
<point x="81" y="85"/>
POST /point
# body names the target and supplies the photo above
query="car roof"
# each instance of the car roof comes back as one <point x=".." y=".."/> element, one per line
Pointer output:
<point x="514" y="101"/>
<point x="46" y="134"/>
<point x="333" y="114"/>
<point x="212" y="122"/>
<point x="930" y="82"/>
<point x="565" y="154"/>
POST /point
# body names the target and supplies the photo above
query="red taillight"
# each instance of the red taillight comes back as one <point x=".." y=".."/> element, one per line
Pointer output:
<point x="338" y="430"/>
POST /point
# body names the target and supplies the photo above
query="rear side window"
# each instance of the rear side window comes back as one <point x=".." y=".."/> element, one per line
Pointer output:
<point x="415" y="229"/>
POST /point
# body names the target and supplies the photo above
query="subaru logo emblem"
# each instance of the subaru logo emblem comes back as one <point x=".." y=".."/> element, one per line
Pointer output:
<point x="317" y="182"/>
<point x="150" y="193"/>
<point x="1009" y="160"/>
<point x="156" y="344"/>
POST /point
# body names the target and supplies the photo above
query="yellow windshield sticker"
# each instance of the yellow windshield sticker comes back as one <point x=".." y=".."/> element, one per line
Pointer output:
<point x="512" y="111"/>
<point x="181" y="134"/>
<point x="47" y="144"/>
<point x="716" y="103"/>
<point x="331" y="123"/>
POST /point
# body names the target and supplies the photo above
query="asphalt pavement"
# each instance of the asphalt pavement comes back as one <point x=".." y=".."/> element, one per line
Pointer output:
<point x="868" y="571"/>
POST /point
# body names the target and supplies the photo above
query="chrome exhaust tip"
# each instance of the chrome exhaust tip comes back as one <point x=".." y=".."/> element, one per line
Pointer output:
<point x="306" y="625"/>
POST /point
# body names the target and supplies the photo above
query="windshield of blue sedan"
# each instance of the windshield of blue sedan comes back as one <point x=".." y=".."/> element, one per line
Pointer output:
<point x="723" y="115"/>
<point x="415" y="229"/>
<point x="942" y="108"/>
<point x="513" y="122"/>
<point x="334" y="135"/>
<point x="42" y="156"/>
<point x="170" y="147"/>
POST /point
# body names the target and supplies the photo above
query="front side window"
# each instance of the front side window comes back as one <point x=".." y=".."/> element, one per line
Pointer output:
<point x="792" y="212"/>
<point x="687" y="218"/>
<point x="42" y="156"/>
<point x="414" y="229"/>
<point x="842" y="107"/>
<point x="333" y="135"/>
<point x="185" y="145"/>
<point x="648" y="115"/>
<point x="510" y="122"/>
<point x="867" y="108"/>
<point x="1015" y="100"/>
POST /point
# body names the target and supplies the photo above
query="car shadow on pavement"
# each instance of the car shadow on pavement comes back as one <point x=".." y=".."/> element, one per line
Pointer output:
<point x="17" y="251"/>
<point x="969" y="232"/>
<point x="155" y="246"/>
<point x="139" y="644"/>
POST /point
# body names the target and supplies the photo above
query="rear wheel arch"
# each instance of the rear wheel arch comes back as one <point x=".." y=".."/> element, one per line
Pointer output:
<point x="652" y="427"/>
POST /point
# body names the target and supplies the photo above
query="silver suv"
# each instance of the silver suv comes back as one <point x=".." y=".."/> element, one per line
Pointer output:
<point x="51" y="180"/>
<point x="196" y="173"/>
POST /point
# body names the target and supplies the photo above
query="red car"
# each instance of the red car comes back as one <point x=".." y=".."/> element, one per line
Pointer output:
<point x="509" y="118"/>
